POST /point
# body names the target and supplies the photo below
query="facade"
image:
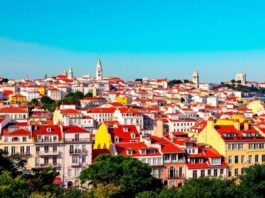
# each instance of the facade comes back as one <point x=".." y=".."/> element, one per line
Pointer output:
<point x="68" y="149"/>
<point x="241" y="144"/>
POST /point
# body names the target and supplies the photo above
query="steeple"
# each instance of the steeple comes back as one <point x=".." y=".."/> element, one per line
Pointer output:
<point x="71" y="74"/>
<point x="196" y="79"/>
<point x="99" y="70"/>
<point x="65" y="72"/>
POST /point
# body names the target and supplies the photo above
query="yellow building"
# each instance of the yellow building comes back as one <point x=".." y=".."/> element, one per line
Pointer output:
<point x="19" y="142"/>
<point x="42" y="90"/>
<point x="102" y="138"/>
<point x="230" y="121"/>
<point x="256" y="106"/>
<point x="17" y="98"/>
<point x="123" y="99"/>
<point x="241" y="144"/>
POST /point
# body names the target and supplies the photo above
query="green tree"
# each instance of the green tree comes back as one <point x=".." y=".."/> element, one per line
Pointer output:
<point x="186" y="81"/>
<point x="106" y="191"/>
<point x="138" y="80"/>
<point x="35" y="102"/>
<point x="209" y="187"/>
<point x="46" y="100"/>
<point x="130" y="174"/>
<point x="12" y="187"/>
<point x="13" y="164"/>
<point x="89" y="95"/>
<point x="174" y="82"/>
<point x="147" y="194"/>
<point x="252" y="183"/>
<point x="41" y="180"/>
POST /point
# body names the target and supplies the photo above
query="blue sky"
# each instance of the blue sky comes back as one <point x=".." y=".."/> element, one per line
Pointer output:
<point x="136" y="38"/>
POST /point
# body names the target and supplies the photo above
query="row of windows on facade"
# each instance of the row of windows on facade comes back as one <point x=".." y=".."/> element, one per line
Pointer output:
<point x="55" y="160"/>
<point x="257" y="159"/>
<point x="240" y="146"/>
<point x="73" y="149"/>
<point x="184" y="124"/>
<point x="236" y="172"/>
<point x="209" y="173"/>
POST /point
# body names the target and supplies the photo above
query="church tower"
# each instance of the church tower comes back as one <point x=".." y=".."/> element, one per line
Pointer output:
<point x="196" y="79"/>
<point x="71" y="74"/>
<point x="65" y="72"/>
<point x="99" y="70"/>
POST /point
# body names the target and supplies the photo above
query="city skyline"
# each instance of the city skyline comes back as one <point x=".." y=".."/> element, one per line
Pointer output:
<point x="134" y="39"/>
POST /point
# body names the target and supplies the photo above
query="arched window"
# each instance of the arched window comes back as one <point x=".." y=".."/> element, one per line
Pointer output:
<point x="172" y="172"/>
<point x="180" y="171"/>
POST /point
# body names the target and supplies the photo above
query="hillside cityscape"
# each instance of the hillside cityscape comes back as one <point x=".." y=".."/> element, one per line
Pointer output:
<point x="179" y="129"/>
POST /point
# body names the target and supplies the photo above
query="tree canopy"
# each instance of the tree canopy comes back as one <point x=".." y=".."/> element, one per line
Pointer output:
<point x="130" y="174"/>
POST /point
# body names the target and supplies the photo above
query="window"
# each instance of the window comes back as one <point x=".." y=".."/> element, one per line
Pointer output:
<point x="37" y="149"/>
<point x="46" y="160"/>
<point x="28" y="150"/>
<point x="242" y="159"/>
<point x="180" y="171"/>
<point x="209" y="172"/>
<point x="229" y="159"/>
<point x="166" y="157"/>
<point x="263" y="158"/>
<point x="24" y="139"/>
<point x="236" y="159"/>
<point x="74" y="159"/>
<point x="46" y="149"/>
<point x="54" y="148"/>
<point x="243" y="170"/>
<point x="250" y="159"/>
<point x="256" y="158"/>
<point x="172" y="172"/>
<point x="71" y="148"/>
<point x="236" y="172"/>
<point x="215" y="173"/>
<point x="229" y="173"/>
<point x="83" y="158"/>
<point x="22" y="150"/>
<point x="221" y="171"/>
<point x="76" y="137"/>
<point x="174" y="157"/>
<point x="15" y="139"/>
<point x="202" y="173"/>
<point x="6" y="149"/>
<point x="194" y="174"/>
<point x="13" y="150"/>
<point x="54" y="161"/>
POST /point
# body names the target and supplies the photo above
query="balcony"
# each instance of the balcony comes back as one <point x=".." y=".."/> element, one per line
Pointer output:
<point x="48" y="153"/>
<point x="80" y="140"/>
<point x="47" y="141"/>
<point x="78" y="152"/>
<point x="75" y="164"/>
<point x="26" y="154"/>
<point x="47" y="165"/>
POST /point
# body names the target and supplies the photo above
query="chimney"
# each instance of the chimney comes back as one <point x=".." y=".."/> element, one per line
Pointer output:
<point x="246" y="125"/>
<point x="159" y="128"/>
<point x="237" y="124"/>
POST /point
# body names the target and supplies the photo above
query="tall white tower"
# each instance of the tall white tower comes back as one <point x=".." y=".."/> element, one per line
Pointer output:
<point x="71" y="73"/>
<point x="99" y="70"/>
<point x="196" y="79"/>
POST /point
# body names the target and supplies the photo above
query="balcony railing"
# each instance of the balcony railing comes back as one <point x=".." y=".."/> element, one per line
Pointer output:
<point x="48" y="153"/>
<point x="46" y="165"/>
<point x="77" y="152"/>
<point x="77" y="140"/>
<point x="75" y="164"/>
